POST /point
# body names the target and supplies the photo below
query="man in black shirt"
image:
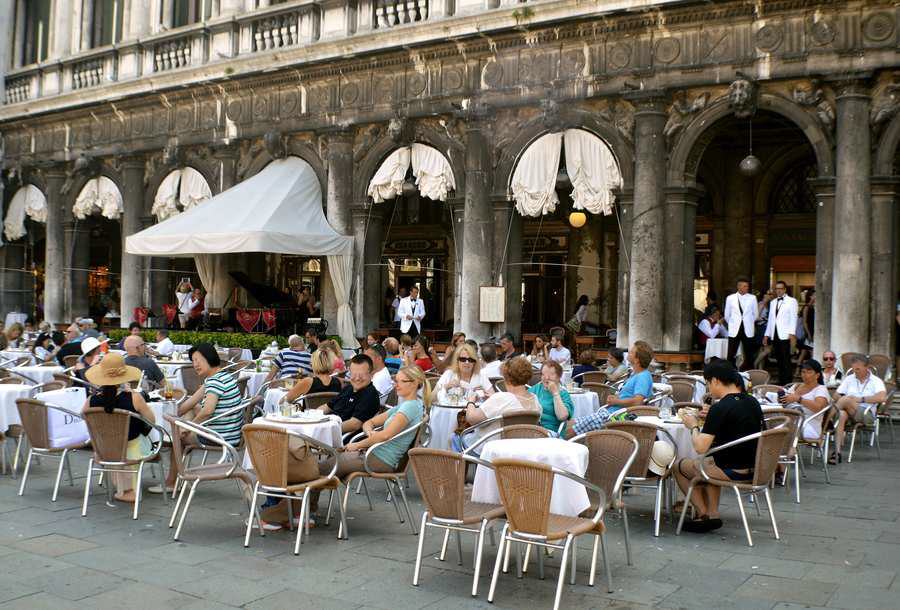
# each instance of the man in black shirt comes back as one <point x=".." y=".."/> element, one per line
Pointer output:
<point x="508" y="347"/>
<point x="358" y="401"/>
<point x="72" y="346"/>
<point x="734" y="416"/>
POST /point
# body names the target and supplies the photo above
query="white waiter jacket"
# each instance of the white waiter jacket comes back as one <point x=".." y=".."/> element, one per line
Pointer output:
<point x="740" y="308"/>
<point x="783" y="317"/>
<point x="408" y="308"/>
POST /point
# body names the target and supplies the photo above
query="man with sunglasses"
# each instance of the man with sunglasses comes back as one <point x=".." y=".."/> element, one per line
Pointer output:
<point x="359" y="401"/>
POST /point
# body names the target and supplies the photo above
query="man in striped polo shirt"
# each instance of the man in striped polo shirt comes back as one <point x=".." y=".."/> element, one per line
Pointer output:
<point x="291" y="361"/>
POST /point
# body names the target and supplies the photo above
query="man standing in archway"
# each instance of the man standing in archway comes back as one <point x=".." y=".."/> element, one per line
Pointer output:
<point x="412" y="312"/>
<point x="781" y="330"/>
<point x="741" y="311"/>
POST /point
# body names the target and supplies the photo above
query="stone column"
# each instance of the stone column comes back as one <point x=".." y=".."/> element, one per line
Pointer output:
<point x="371" y="290"/>
<point x="625" y="203"/>
<point x="507" y="256"/>
<point x="78" y="258"/>
<point x="87" y="25"/>
<point x="54" y="255"/>
<point x="457" y="215"/>
<point x="7" y="33"/>
<point x="360" y="287"/>
<point x="478" y="231"/>
<point x="851" y="285"/>
<point x="646" y="299"/>
<point x="824" y="189"/>
<point x="63" y="22"/>
<point x="13" y="288"/>
<point x="339" y="195"/>
<point x="157" y="281"/>
<point x="132" y="264"/>
<point x="681" y="215"/>
<point x="884" y="244"/>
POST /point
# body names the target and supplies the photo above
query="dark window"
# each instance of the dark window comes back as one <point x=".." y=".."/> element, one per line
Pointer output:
<point x="186" y="12"/>
<point x="794" y="194"/>
<point x="107" y="22"/>
<point x="37" y="31"/>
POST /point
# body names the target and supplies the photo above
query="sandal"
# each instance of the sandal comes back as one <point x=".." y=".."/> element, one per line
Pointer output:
<point x="127" y="500"/>
<point x="834" y="458"/>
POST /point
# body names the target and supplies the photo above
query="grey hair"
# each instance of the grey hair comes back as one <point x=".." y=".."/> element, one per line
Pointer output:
<point x="859" y="358"/>
<point x="295" y="341"/>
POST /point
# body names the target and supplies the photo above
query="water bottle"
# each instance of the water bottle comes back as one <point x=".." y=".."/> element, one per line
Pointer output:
<point x="664" y="411"/>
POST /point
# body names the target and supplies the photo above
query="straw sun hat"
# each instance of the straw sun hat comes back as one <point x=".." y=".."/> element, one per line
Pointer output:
<point x="112" y="370"/>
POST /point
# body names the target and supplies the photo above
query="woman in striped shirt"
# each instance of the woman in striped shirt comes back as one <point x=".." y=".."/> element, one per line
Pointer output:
<point x="218" y="395"/>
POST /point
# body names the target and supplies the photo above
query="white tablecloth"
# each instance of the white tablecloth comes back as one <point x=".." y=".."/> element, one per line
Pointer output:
<point x="13" y="354"/>
<point x="161" y="408"/>
<point x="684" y="447"/>
<point x="585" y="403"/>
<point x="568" y="497"/>
<point x="716" y="348"/>
<point x="442" y="422"/>
<point x="255" y="380"/>
<point x="172" y="372"/>
<point x="9" y="392"/>
<point x="328" y="432"/>
<point x="271" y="401"/>
<point x="65" y="430"/>
<point x="37" y="374"/>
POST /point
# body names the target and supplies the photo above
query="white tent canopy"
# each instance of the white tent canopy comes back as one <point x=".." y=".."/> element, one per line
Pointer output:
<point x="432" y="171"/>
<point x="591" y="166"/>
<point x="278" y="210"/>
<point x="28" y="201"/>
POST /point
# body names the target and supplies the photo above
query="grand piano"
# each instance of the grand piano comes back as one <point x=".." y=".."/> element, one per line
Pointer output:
<point x="287" y="318"/>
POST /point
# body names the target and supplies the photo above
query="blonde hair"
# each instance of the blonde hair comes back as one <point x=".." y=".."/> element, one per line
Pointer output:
<point x="322" y="362"/>
<point x="470" y="351"/>
<point x="13" y="327"/>
<point x="418" y="375"/>
<point x="332" y="346"/>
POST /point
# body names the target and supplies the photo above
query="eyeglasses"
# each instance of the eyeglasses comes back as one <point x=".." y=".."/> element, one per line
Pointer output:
<point x="469" y="360"/>
<point x="401" y="380"/>
<point x="827" y="359"/>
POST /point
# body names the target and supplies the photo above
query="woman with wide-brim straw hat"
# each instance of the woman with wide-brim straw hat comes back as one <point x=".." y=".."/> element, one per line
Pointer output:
<point x="113" y="375"/>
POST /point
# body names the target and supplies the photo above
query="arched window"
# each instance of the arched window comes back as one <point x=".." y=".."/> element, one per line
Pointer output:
<point x="794" y="194"/>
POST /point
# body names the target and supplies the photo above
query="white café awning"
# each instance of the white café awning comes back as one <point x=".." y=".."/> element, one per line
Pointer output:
<point x="278" y="210"/>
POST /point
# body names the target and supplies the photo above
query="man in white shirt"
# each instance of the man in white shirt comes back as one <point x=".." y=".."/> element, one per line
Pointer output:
<point x="780" y="330"/>
<point x="395" y="306"/>
<point x="381" y="376"/>
<point x="490" y="364"/>
<point x="860" y="392"/>
<point x="710" y="326"/>
<point x="164" y="345"/>
<point x="412" y="311"/>
<point x="559" y="352"/>
<point x="740" y="317"/>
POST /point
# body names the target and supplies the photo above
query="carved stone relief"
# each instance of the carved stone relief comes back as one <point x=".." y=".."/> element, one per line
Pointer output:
<point x="813" y="97"/>
<point x="681" y="110"/>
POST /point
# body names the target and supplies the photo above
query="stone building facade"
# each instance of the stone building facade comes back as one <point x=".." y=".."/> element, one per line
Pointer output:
<point x="674" y="88"/>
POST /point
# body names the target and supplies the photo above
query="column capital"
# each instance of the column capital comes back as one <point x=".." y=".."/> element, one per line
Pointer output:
<point x="148" y="221"/>
<point x="501" y="204"/>
<point x="687" y="195"/>
<point x="885" y="186"/>
<point x="337" y="134"/>
<point x="649" y="101"/>
<point x="366" y="211"/>
<point x="133" y="162"/>
<point x="853" y="85"/>
<point x="225" y="151"/>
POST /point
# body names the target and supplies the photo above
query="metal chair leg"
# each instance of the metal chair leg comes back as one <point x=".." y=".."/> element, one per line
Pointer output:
<point x="593" y="561"/>
<point x="387" y="484"/>
<point x="479" y="550"/>
<point x="87" y="483"/>
<point x="627" y="536"/>
<point x="852" y="444"/>
<point x="573" y="571"/>
<point x="59" y="471"/>
<point x="69" y="469"/>
<point x="419" y="549"/>
<point x="797" y="468"/>
<point x="459" y="548"/>
<point x="366" y="489"/>
<point x="684" y="508"/>
<point x="177" y="506"/>
<point x="250" y="521"/>
<point x="343" y="531"/>
<point x="443" y="554"/>
<point x="562" y="572"/>
<point x="609" y="587"/>
<point x="27" y="470"/>
<point x="743" y="515"/>
<point x="412" y="523"/>
<point x="303" y="520"/>
<point x="137" y="490"/>
<point x="498" y="562"/>
<point x="657" y="509"/>
<point x="187" y="505"/>
<point x="772" y="514"/>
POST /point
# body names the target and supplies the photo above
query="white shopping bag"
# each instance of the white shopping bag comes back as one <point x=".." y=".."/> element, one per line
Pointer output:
<point x="64" y="428"/>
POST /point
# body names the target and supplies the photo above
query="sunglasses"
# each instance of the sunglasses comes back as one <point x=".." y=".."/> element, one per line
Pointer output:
<point x="469" y="360"/>
<point x="828" y="359"/>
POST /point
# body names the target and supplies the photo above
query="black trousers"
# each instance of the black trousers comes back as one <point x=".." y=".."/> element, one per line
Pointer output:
<point x="749" y="348"/>
<point x="781" y="348"/>
<point x="413" y="332"/>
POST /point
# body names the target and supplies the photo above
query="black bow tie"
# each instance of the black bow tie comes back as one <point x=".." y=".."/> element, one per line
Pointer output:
<point x="780" y="298"/>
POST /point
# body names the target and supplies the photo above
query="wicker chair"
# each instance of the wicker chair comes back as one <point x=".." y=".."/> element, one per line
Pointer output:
<point x="847" y="356"/>
<point x="759" y="391"/>
<point x="682" y="389"/>
<point x="818" y="445"/>
<point x="590" y="377"/>
<point x="793" y="420"/>
<point x="50" y="386"/>
<point x="234" y="353"/>
<point x="500" y="385"/>
<point x="109" y="440"/>
<point x="227" y="468"/>
<point x="603" y="390"/>
<point x="525" y="490"/>
<point x="268" y="448"/>
<point x="688" y="405"/>
<point x="768" y="449"/>
<point x="643" y="410"/>
<point x="35" y="427"/>
<point x="881" y="364"/>
<point x="393" y="480"/>
<point x="242" y="386"/>
<point x="509" y="431"/>
<point x="316" y="399"/>
<point x="70" y="361"/>
<point x="758" y="377"/>
<point x="64" y="379"/>
<point x="441" y="476"/>
<point x="535" y="378"/>
<point x="882" y="411"/>
<point x="190" y="379"/>
<point x="12" y="380"/>
<point x="390" y="399"/>
<point x="639" y="475"/>
<point x="510" y="418"/>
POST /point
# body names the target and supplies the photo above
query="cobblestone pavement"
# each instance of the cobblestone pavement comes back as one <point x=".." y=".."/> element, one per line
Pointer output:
<point x="840" y="548"/>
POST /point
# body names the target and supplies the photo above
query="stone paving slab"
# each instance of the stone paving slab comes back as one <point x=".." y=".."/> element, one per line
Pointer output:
<point x="840" y="548"/>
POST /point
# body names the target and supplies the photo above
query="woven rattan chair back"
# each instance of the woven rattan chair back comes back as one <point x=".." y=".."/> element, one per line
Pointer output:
<point x="608" y="452"/>
<point x="768" y="452"/>
<point x="51" y="386"/>
<point x="242" y="386"/>
<point x="846" y="357"/>
<point x="234" y="353"/>
<point x="22" y="361"/>
<point x="500" y="384"/>
<point x="12" y="380"/>
<point x="524" y="431"/>
<point x="177" y="445"/>
<point x="603" y="390"/>
<point x="392" y="400"/>
<point x="642" y="410"/>
<point x="525" y="489"/>
<point x="791" y="420"/>
<point x="70" y="361"/>
<point x="682" y="390"/>
<point x="520" y="417"/>
<point x="191" y="379"/>
<point x="645" y="434"/>
<point x="63" y="379"/>
<point x="535" y="378"/>
<point x="33" y="414"/>
<point x="683" y="405"/>
<point x="593" y="377"/>
<point x="268" y="448"/>
<point x="317" y="399"/>
<point x="758" y="377"/>
<point x="884" y="407"/>
<point x="760" y="391"/>
<point x="441" y="478"/>
<point x="880" y="363"/>
<point x="109" y="434"/>
<point x="415" y="440"/>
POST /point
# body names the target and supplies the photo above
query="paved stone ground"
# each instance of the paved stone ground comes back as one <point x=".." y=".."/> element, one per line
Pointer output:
<point x="840" y="548"/>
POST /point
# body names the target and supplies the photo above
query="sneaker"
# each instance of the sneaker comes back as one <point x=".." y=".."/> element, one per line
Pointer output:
<point x="269" y="527"/>
<point x="158" y="489"/>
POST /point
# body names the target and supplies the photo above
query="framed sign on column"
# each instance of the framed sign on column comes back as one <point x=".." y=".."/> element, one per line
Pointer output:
<point x="492" y="304"/>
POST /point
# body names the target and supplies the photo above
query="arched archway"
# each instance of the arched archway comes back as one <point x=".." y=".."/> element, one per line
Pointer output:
<point x="22" y="253"/>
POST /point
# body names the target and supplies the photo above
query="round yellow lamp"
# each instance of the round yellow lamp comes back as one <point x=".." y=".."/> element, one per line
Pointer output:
<point x="577" y="219"/>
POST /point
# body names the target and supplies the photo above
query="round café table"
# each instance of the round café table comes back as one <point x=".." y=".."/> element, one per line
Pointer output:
<point x="324" y="428"/>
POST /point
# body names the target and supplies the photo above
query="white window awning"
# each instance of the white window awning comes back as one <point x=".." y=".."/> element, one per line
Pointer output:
<point x="28" y="201"/>
<point x="278" y="210"/>
<point x="433" y="174"/>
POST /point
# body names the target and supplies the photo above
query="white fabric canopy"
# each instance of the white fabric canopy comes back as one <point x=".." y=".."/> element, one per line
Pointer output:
<point x="278" y="210"/>
<point x="185" y="186"/>
<point x="593" y="170"/>
<point x="432" y="171"/>
<point x="340" y="270"/>
<point x="28" y="201"/>
<point x="534" y="181"/>
<point x="101" y="194"/>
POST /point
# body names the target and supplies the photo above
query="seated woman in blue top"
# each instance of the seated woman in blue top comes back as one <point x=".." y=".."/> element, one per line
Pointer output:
<point x="556" y="404"/>
<point x="636" y="391"/>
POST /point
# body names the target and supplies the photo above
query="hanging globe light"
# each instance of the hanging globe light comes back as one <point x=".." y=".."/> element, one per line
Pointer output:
<point x="750" y="165"/>
<point x="577" y="219"/>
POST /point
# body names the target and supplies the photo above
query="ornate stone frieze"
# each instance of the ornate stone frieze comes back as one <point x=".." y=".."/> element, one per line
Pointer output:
<point x="682" y="108"/>
<point x="743" y="96"/>
<point x="812" y="96"/>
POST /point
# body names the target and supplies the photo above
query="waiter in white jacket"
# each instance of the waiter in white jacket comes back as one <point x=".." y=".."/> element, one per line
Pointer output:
<point x="781" y="329"/>
<point x="741" y="311"/>
<point x="411" y="312"/>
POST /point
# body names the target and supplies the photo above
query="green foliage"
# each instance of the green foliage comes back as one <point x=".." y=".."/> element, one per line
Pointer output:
<point x="190" y="337"/>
